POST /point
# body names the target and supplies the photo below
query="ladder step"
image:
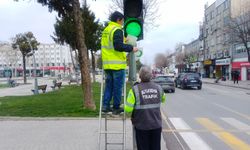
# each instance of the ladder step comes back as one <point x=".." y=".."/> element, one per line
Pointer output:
<point x="112" y="132"/>
<point x="115" y="143"/>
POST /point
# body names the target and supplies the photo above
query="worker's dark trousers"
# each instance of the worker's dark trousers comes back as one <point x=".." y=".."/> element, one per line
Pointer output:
<point x="148" y="139"/>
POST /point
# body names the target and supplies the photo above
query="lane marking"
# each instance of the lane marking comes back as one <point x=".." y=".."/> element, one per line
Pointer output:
<point x="206" y="131"/>
<point x="176" y="137"/>
<point x="233" y="111"/>
<point x="192" y="139"/>
<point x="228" y="138"/>
<point x="237" y="124"/>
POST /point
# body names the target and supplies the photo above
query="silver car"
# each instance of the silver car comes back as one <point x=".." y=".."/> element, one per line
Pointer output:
<point x="166" y="82"/>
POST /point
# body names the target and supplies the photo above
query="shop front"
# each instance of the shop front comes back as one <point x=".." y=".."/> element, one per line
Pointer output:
<point x="208" y="68"/>
<point x="243" y="68"/>
<point x="222" y="68"/>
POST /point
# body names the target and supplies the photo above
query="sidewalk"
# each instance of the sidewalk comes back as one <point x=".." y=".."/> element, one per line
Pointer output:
<point x="59" y="134"/>
<point x="21" y="133"/>
<point x="229" y="83"/>
<point x="25" y="89"/>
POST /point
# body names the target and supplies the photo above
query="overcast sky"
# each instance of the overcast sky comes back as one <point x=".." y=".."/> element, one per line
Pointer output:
<point x="179" y="22"/>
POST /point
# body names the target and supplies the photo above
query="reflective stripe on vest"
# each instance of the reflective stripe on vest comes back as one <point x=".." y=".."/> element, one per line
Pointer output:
<point x="146" y="106"/>
<point x="129" y="104"/>
<point x="110" y="44"/>
<point x="114" y="62"/>
<point x="137" y="95"/>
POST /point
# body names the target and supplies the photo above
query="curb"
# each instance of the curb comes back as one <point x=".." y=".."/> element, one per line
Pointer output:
<point x="9" y="118"/>
<point x="226" y="85"/>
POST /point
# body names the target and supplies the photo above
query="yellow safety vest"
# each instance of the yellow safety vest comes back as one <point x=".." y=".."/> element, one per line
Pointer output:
<point x="111" y="58"/>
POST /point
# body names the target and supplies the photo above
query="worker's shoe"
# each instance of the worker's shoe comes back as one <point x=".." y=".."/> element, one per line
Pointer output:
<point x="117" y="111"/>
<point x="106" y="109"/>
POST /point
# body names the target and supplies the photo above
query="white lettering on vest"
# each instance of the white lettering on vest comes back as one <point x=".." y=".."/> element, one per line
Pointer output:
<point x="149" y="94"/>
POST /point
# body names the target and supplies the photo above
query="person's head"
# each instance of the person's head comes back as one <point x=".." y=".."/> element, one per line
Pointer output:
<point x="145" y="74"/>
<point x="117" y="17"/>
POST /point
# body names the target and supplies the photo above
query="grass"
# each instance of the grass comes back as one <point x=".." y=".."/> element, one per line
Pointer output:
<point x="3" y="86"/>
<point x="66" y="102"/>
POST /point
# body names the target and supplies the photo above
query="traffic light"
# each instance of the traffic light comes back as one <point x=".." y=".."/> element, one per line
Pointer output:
<point x="133" y="13"/>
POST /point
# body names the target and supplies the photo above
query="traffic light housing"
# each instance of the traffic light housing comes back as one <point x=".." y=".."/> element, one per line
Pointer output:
<point x="133" y="13"/>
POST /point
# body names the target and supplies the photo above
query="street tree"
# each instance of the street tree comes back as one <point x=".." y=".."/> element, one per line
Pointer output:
<point x="20" y="42"/>
<point x="180" y="58"/>
<point x="66" y="33"/>
<point x="71" y="8"/>
<point x="138" y="65"/>
<point x="161" y="61"/>
<point x="150" y="11"/>
<point x="239" y="28"/>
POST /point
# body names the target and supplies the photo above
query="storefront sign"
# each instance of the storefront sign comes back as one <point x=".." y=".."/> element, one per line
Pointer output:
<point x="240" y="64"/>
<point x="222" y="61"/>
<point x="207" y="62"/>
<point x="247" y="64"/>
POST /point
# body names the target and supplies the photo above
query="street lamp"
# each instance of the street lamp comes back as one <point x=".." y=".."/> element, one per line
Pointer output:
<point x="34" y="63"/>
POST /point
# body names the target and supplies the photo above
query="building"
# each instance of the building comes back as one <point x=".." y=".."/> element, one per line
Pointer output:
<point x="9" y="60"/>
<point x="51" y="60"/>
<point x="221" y="54"/>
<point x="194" y="53"/>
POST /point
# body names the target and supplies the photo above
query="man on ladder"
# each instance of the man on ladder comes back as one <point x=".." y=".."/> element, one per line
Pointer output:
<point x="114" y="62"/>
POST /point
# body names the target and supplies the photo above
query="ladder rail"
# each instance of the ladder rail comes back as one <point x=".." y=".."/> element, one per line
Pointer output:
<point x="124" y="114"/>
<point x="105" y="132"/>
<point x="100" y="111"/>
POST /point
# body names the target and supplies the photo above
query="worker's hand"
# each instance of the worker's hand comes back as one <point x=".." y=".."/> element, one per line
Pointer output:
<point x="135" y="49"/>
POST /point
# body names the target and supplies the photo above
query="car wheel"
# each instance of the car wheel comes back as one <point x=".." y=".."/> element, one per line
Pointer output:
<point x="182" y="86"/>
<point x="173" y="91"/>
<point x="199" y="87"/>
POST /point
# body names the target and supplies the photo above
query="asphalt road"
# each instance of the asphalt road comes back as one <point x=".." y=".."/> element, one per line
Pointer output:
<point x="215" y="117"/>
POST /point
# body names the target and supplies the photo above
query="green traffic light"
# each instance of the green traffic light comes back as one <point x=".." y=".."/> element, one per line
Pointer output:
<point x="133" y="28"/>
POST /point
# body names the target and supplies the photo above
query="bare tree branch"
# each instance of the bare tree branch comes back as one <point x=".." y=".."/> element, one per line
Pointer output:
<point x="150" y="11"/>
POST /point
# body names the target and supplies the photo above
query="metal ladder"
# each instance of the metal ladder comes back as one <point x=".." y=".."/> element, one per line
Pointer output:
<point x="108" y="118"/>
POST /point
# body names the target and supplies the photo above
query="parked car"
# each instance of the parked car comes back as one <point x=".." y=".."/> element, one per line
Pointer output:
<point x="166" y="82"/>
<point x="187" y="80"/>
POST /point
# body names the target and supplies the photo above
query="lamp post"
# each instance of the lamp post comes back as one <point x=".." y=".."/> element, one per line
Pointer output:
<point x="34" y="65"/>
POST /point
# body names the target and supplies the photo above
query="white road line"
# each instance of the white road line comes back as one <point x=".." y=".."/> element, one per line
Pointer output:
<point x="237" y="124"/>
<point x="193" y="140"/>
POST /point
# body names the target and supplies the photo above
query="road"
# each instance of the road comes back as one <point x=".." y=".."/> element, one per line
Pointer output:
<point x="215" y="117"/>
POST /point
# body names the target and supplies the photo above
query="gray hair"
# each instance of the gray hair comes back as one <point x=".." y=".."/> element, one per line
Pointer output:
<point x="145" y="74"/>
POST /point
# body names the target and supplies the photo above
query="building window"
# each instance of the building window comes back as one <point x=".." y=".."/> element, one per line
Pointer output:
<point x="226" y="5"/>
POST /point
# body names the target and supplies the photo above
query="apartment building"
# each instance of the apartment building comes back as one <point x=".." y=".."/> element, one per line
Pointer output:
<point x="221" y="54"/>
<point x="51" y="59"/>
<point x="193" y="50"/>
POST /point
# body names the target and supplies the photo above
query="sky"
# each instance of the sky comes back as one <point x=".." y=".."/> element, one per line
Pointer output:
<point x="178" y="22"/>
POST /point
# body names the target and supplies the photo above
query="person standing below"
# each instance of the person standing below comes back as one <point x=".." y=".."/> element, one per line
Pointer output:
<point x="144" y="101"/>
<point x="236" y="77"/>
<point x="114" y="61"/>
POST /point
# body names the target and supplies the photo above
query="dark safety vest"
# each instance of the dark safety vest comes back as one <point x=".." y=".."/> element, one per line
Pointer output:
<point x="146" y="101"/>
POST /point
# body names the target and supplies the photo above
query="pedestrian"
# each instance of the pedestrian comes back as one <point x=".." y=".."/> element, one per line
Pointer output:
<point x="114" y="62"/>
<point x="236" y="77"/>
<point x="144" y="100"/>
<point x="214" y="74"/>
<point x="232" y="75"/>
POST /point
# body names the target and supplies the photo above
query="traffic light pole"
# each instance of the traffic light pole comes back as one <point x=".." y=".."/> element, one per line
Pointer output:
<point x="132" y="68"/>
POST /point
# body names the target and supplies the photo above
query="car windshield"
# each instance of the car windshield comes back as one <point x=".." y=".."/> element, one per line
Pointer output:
<point x="164" y="78"/>
<point x="193" y="75"/>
